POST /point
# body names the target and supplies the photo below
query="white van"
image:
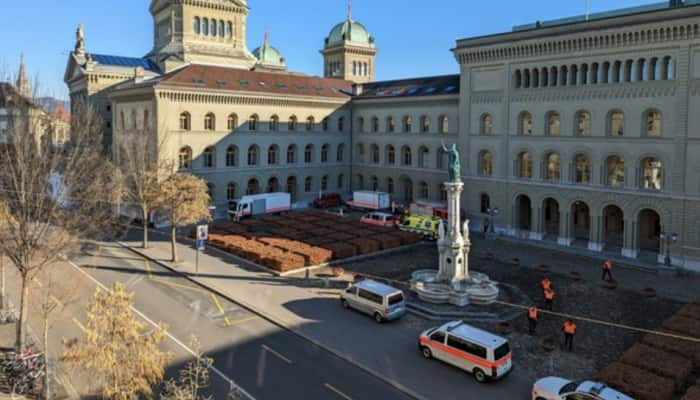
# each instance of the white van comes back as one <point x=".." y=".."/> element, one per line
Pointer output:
<point x="484" y="354"/>
<point x="383" y="302"/>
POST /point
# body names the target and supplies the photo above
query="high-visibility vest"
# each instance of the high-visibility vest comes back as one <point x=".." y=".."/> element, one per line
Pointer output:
<point x="546" y="284"/>
<point x="570" y="328"/>
<point x="532" y="313"/>
<point x="549" y="294"/>
<point x="607" y="264"/>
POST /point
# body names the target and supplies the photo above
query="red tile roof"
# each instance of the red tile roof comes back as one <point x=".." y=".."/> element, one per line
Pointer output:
<point x="222" y="78"/>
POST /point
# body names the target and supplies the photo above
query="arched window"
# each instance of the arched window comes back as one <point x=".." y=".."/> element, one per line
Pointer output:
<point x="424" y="190"/>
<point x="652" y="174"/>
<point x="583" y="123"/>
<point x="324" y="182"/>
<point x="197" y="28"/>
<point x="341" y="124"/>
<point x="324" y="153"/>
<point x="375" y="183"/>
<point x="615" y="171"/>
<point x="273" y="185"/>
<point x="309" y="153"/>
<point x="310" y="122"/>
<point x="185" y="121"/>
<point x="390" y="155"/>
<point x="308" y="184"/>
<point x="292" y="123"/>
<point x="360" y="124"/>
<point x="324" y="124"/>
<point x="375" y="124"/>
<point x="292" y="187"/>
<point x="253" y="122"/>
<point x="616" y="122"/>
<point x="205" y="26"/>
<point x="232" y="156"/>
<point x="210" y="122"/>
<point x="423" y="154"/>
<point x="525" y="125"/>
<point x="211" y="190"/>
<point x="424" y="124"/>
<point x="553" y="123"/>
<point x="375" y="153"/>
<point x="442" y="191"/>
<point x="406" y="156"/>
<point x="552" y="170"/>
<point x="390" y="124"/>
<point x="212" y="28"/>
<point x="229" y="29"/>
<point x="341" y="181"/>
<point x="185" y="158"/>
<point x="253" y="155"/>
<point x="209" y="157"/>
<point x="340" y="153"/>
<point x="273" y="155"/>
<point x="582" y="168"/>
<point x="291" y="154"/>
<point x="408" y="124"/>
<point x="525" y="165"/>
<point x="232" y="122"/>
<point x="231" y="191"/>
<point x="486" y="124"/>
<point x="122" y="121"/>
<point x="441" y="159"/>
<point x="274" y="123"/>
<point x="253" y="187"/>
<point x="652" y="127"/>
<point x="444" y="124"/>
<point x="518" y="79"/>
<point x="221" y="29"/>
<point x="390" y="186"/>
<point x="485" y="163"/>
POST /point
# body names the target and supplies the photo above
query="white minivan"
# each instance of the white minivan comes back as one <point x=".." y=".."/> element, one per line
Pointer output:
<point x="484" y="354"/>
<point x="383" y="302"/>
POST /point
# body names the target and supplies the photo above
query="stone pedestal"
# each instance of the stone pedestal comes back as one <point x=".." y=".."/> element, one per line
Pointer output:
<point x="452" y="246"/>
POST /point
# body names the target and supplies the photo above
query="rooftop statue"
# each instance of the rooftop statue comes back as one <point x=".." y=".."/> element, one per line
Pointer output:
<point x="455" y="168"/>
<point x="80" y="39"/>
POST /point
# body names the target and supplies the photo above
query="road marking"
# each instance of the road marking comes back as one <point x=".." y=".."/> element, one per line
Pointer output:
<point x="244" y="320"/>
<point x="228" y="380"/>
<point x="221" y="309"/>
<point x="171" y="284"/>
<point x="80" y="325"/>
<point x="276" y="354"/>
<point x="336" y="391"/>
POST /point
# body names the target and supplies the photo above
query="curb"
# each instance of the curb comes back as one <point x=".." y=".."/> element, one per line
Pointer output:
<point x="272" y="320"/>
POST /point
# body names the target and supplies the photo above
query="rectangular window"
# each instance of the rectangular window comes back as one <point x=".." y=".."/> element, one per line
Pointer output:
<point x="395" y="299"/>
<point x="467" y="347"/>
<point x="438" y="337"/>
<point x="501" y="351"/>
<point x="373" y="297"/>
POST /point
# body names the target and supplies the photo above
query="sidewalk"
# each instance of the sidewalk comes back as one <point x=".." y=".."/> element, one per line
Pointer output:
<point x="387" y="351"/>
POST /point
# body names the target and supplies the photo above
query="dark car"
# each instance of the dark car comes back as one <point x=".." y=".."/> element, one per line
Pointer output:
<point x="328" y="200"/>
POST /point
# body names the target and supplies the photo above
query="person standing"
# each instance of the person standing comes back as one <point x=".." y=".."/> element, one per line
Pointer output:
<point x="548" y="299"/>
<point x="546" y="283"/>
<point x="532" y="319"/>
<point x="569" y="329"/>
<point x="607" y="270"/>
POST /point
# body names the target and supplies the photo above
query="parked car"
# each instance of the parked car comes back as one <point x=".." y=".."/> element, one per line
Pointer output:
<point x="383" y="302"/>
<point x="553" y="388"/>
<point x="328" y="200"/>
<point x="485" y="355"/>
<point x="379" y="218"/>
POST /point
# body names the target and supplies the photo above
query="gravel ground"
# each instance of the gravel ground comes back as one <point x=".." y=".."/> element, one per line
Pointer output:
<point x="595" y="345"/>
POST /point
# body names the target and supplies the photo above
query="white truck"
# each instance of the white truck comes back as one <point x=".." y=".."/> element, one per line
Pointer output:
<point x="429" y="208"/>
<point x="368" y="200"/>
<point x="259" y="204"/>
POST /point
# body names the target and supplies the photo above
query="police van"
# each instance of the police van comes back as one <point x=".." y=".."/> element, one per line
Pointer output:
<point x="484" y="354"/>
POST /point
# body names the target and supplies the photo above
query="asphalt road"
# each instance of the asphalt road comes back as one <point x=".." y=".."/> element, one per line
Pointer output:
<point x="267" y="361"/>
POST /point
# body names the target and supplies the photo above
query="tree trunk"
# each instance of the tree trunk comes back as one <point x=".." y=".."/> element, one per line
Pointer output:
<point x="145" y="228"/>
<point x="47" y="379"/>
<point x="23" y="317"/>
<point x="173" y="242"/>
<point x="2" y="282"/>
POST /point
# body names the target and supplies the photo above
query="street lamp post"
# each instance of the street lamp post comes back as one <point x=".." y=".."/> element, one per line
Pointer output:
<point x="667" y="239"/>
<point x="493" y="212"/>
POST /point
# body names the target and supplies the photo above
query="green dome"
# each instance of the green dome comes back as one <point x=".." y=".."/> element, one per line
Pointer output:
<point x="268" y="55"/>
<point x="349" y="31"/>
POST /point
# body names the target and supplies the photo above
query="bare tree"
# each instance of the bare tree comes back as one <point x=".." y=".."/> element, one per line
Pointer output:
<point x="194" y="377"/>
<point x="117" y="350"/>
<point x="185" y="201"/>
<point x="54" y="196"/>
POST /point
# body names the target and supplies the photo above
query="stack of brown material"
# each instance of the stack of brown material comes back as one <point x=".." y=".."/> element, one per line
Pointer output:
<point x="636" y="382"/>
<point x="690" y="311"/>
<point x="406" y="237"/>
<point x="387" y="241"/>
<point x="683" y="348"/>
<point x="681" y="324"/>
<point x="693" y="393"/>
<point x="364" y="245"/>
<point x="341" y="250"/>
<point x="659" y="362"/>
<point x="341" y="236"/>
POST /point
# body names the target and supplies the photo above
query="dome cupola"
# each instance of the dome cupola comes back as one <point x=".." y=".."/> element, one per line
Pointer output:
<point x="269" y="58"/>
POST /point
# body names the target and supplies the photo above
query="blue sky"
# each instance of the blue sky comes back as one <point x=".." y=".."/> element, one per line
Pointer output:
<point x="413" y="36"/>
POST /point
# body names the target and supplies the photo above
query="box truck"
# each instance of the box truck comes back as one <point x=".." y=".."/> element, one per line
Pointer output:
<point x="368" y="200"/>
<point x="430" y="208"/>
<point x="259" y="204"/>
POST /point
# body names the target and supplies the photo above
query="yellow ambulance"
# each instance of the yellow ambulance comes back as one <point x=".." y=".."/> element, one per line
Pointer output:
<point x="424" y="225"/>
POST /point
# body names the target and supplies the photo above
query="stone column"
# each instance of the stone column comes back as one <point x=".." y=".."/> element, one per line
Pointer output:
<point x="565" y="218"/>
<point x="595" y="236"/>
<point x="536" y="223"/>
<point x="453" y="252"/>
<point x="630" y="248"/>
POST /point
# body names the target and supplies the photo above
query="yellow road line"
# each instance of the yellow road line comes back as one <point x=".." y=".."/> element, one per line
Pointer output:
<point x="80" y="325"/>
<point x="278" y="355"/>
<point x="221" y="309"/>
<point x="336" y="391"/>
<point x="244" y="320"/>
<point x="172" y="284"/>
<point x="148" y="269"/>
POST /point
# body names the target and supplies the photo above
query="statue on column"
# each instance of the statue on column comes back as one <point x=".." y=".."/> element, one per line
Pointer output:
<point x="80" y="40"/>
<point x="454" y="164"/>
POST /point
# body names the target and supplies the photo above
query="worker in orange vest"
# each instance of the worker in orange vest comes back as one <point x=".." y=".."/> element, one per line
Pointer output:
<point x="548" y="298"/>
<point x="569" y="329"/>
<point x="607" y="270"/>
<point x="532" y="319"/>
<point x="546" y="283"/>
